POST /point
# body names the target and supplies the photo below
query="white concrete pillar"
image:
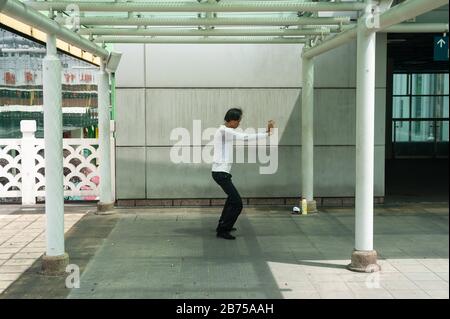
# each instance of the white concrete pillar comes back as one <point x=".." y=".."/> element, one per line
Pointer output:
<point x="113" y="159"/>
<point x="364" y="258"/>
<point x="55" y="258"/>
<point x="28" y="171"/>
<point x="308" y="133"/>
<point x="106" y="202"/>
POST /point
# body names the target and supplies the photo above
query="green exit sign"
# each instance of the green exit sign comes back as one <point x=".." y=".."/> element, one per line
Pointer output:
<point x="441" y="48"/>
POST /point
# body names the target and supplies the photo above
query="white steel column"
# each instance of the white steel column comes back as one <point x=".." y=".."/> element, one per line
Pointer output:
<point x="55" y="259"/>
<point x="307" y="133"/>
<point x="364" y="258"/>
<point x="365" y="125"/>
<point x="106" y="202"/>
<point x="54" y="185"/>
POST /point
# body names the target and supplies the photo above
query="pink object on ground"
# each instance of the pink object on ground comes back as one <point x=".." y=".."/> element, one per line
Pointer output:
<point x="96" y="181"/>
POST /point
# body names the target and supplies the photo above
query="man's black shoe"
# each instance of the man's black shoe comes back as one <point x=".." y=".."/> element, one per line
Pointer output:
<point x="225" y="235"/>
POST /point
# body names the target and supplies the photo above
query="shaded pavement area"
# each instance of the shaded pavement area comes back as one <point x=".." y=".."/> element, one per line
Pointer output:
<point x="173" y="253"/>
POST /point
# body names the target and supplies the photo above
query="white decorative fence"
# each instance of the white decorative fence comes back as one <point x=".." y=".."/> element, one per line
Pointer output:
<point x="10" y="168"/>
<point x="22" y="166"/>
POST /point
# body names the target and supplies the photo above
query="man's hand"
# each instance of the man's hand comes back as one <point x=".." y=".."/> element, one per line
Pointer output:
<point x="270" y="126"/>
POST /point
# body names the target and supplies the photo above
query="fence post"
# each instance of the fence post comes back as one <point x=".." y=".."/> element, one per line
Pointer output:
<point x="28" y="128"/>
<point x="112" y="129"/>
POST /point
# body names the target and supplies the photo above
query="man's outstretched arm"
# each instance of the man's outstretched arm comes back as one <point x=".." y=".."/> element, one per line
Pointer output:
<point x="250" y="137"/>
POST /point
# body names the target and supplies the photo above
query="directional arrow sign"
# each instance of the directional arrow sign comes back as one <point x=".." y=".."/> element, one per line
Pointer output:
<point x="440" y="48"/>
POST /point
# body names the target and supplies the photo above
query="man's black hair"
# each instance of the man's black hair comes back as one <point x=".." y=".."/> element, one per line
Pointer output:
<point x="233" y="114"/>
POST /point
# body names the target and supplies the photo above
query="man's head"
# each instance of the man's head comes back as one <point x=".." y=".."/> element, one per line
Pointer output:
<point x="233" y="117"/>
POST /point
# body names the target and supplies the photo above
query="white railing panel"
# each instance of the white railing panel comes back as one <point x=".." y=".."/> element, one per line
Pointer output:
<point x="81" y="171"/>
<point x="81" y="174"/>
<point x="10" y="168"/>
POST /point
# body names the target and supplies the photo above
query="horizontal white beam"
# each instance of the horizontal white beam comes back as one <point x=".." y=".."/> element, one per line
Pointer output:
<point x="177" y="6"/>
<point x="407" y="27"/>
<point x="17" y="10"/>
<point x="242" y="40"/>
<point x="417" y="28"/>
<point x="397" y="14"/>
<point x="196" y="32"/>
<point x="177" y="21"/>
<point x="330" y="43"/>
<point x="408" y="10"/>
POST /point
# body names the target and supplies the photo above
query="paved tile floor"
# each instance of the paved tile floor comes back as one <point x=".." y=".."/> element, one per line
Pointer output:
<point x="173" y="253"/>
<point x="22" y="241"/>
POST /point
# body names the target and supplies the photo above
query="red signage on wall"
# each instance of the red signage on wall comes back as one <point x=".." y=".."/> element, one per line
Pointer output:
<point x="10" y="78"/>
<point x="86" y="78"/>
<point x="29" y="77"/>
<point x="69" y="77"/>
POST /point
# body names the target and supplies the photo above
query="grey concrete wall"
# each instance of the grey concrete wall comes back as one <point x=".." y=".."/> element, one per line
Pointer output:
<point x="335" y="120"/>
<point x="161" y="87"/>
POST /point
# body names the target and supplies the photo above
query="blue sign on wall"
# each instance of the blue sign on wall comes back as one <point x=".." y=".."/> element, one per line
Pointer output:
<point x="440" y="48"/>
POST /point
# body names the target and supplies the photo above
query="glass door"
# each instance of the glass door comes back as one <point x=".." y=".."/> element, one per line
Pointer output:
<point x="420" y="118"/>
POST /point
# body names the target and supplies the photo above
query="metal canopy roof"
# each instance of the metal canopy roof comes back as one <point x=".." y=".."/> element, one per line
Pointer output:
<point x="313" y="23"/>
<point x="202" y="21"/>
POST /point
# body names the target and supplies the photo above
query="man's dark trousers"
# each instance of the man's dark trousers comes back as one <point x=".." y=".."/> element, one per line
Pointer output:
<point x="233" y="204"/>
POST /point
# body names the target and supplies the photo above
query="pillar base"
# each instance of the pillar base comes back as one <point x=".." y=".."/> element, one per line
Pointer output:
<point x="54" y="265"/>
<point x="311" y="206"/>
<point x="364" y="261"/>
<point x="105" y="209"/>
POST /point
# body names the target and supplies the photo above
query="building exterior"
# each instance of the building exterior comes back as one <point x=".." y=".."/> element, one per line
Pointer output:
<point x="21" y="94"/>
<point x="349" y="99"/>
<point x="180" y="83"/>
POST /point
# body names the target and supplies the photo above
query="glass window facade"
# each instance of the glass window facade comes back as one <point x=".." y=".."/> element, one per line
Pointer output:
<point x="21" y="95"/>
<point x="420" y="104"/>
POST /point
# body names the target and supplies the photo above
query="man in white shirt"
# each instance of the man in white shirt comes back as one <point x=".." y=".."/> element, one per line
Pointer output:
<point x="223" y="153"/>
